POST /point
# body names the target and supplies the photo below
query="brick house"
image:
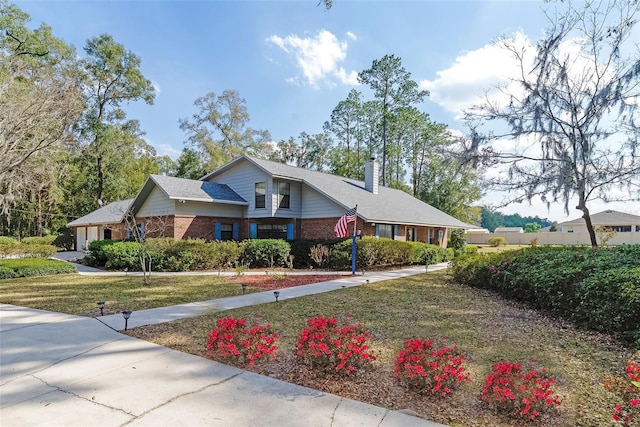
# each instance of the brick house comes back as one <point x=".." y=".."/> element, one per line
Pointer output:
<point x="254" y="198"/>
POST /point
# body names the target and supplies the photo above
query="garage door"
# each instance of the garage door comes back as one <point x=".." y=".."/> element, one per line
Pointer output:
<point x="80" y="238"/>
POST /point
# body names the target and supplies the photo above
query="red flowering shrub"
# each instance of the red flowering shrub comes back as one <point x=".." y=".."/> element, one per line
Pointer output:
<point x="332" y="347"/>
<point x="424" y="367"/>
<point x="240" y="345"/>
<point x="518" y="392"/>
<point x="629" y="389"/>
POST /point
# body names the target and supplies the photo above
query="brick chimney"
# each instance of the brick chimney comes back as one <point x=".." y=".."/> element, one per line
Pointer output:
<point x="371" y="176"/>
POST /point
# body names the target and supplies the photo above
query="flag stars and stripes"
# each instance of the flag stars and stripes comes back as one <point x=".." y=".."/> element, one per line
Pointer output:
<point x="342" y="227"/>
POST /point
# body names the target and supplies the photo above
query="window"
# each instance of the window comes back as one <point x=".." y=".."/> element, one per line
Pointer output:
<point x="226" y="231"/>
<point x="411" y="234"/>
<point x="621" y="228"/>
<point x="272" y="231"/>
<point x="107" y="234"/>
<point x="284" y="191"/>
<point x="430" y="236"/>
<point x="261" y="192"/>
<point x="385" y="230"/>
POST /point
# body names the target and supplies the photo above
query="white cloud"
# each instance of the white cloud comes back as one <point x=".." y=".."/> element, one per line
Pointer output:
<point x="168" y="150"/>
<point x="351" y="35"/>
<point x="317" y="58"/>
<point x="472" y="75"/>
<point x="156" y="87"/>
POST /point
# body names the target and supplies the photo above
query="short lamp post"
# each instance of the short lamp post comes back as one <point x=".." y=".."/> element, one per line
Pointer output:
<point x="244" y="288"/>
<point x="126" y="314"/>
<point x="101" y="307"/>
<point x="276" y="294"/>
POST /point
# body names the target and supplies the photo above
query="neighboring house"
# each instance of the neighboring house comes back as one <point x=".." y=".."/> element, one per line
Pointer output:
<point x="619" y="221"/>
<point x="508" y="230"/>
<point x="254" y="198"/>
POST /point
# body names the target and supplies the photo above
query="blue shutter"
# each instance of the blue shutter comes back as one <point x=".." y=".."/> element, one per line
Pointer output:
<point x="235" y="231"/>
<point x="377" y="231"/>
<point x="142" y="230"/>
<point x="289" y="231"/>
<point x="395" y="232"/>
<point x="217" y="234"/>
<point x="128" y="232"/>
<point x="253" y="231"/>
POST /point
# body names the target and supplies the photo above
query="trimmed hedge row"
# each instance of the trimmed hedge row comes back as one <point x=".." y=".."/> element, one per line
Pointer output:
<point x="21" y="250"/>
<point x="598" y="288"/>
<point x="28" y="267"/>
<point x="165" y="254"/>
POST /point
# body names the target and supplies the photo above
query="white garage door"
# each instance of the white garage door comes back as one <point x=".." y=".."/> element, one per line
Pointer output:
<point x="80" y="238"/>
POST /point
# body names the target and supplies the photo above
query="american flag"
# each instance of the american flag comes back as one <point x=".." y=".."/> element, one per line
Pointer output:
<point x="342" y="227"/>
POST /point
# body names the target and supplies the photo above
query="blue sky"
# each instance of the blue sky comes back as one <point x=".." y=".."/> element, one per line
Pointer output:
<point x="292" y="61"/>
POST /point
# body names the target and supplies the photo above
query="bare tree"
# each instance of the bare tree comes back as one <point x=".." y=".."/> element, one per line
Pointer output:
<point x="571" y="114"/>
<point x="138" y="230"/>
<point x="39" y="103"/>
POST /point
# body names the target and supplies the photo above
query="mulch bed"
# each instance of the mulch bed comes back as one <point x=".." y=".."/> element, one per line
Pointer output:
<point x="272" y="281"/>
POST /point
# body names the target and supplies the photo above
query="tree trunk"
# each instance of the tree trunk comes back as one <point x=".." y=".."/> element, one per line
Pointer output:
<point x="587" y="220"/>
<point x="100" y="179"/>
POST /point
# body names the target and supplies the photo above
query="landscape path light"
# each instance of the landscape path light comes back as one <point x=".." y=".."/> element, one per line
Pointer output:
<point x="126" y="314"/>
<point x="101" y="307"/>
<point x="244" y="288"/>
<point x="276" y="294"/>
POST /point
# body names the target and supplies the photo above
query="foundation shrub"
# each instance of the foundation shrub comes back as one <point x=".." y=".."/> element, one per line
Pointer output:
<point x="121" y="255"/>
<point x="96" y="257"/>
<point x="266" y="253"/>
<point x="64" y="239"/>
<point x="427" y="254"/>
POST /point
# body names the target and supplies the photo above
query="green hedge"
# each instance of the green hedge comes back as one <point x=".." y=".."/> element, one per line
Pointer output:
<point x="22" y="250"/>
<point x="27" y="267"/>
<point x="596" y="288"/>
<point x="44" y="240"/>
<point x="167" y="254"/>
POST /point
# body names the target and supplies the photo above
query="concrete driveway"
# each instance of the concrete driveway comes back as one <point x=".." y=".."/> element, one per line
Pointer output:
<point x="64" y="370"/>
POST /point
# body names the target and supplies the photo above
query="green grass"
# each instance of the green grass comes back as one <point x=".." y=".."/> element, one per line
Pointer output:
<point x="486" y="327"/>
<point x="76" y="294"/>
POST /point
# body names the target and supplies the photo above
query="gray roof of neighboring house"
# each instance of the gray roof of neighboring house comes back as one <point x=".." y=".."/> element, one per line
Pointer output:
<point x="200" y="191"/>
<point x="508" y="230"/>
<point x="388" y="206"/>
<point x="608" y="217"/>
<point x="113" y="213"/>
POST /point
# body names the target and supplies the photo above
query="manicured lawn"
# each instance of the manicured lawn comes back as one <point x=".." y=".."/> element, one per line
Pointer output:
<point x="487" y="329"/>
<point x="76" y="294"/>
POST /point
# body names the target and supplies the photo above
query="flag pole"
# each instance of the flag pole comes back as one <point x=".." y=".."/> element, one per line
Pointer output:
<point x="353" y="243"/>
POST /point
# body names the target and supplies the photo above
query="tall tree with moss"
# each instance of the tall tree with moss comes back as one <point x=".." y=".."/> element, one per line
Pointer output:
<point x="39" y="103"/>
<point x="572" y="111"/>
<point x="112" y="78"/>
<point x="393" y="89"/>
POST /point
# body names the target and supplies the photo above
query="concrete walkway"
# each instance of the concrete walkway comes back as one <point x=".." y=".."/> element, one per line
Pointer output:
<point x="64" y="370"/>
<point x="182" y="311"/>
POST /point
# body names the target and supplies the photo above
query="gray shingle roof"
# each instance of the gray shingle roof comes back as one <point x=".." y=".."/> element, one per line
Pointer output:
<point x="113" y="213"/>
<point x="608" y="217"/>
<point x="388" y="206"/>
<point x="203" y="191"/>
